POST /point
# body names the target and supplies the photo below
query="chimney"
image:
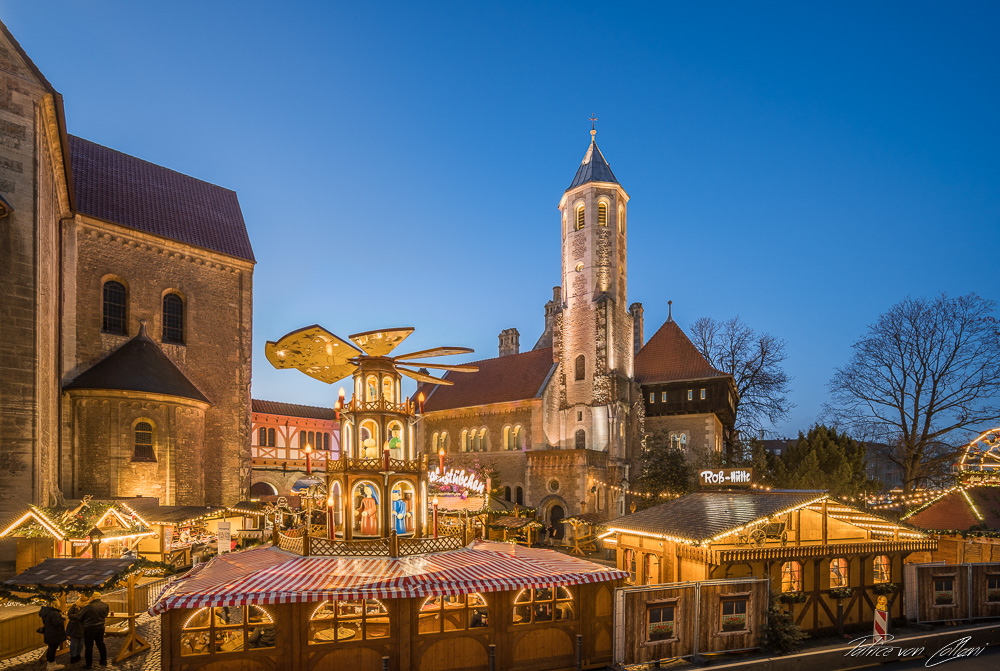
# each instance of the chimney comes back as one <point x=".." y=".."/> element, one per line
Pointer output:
<point x="509" y="342"/>
<point x="552" y="308"/>
<point x="636" y="311"/>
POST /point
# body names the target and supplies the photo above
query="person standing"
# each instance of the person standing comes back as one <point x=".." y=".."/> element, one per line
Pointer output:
<point x="74" y="630"/>
<point x="53" y="632"/>
<point x="92" y="618"/>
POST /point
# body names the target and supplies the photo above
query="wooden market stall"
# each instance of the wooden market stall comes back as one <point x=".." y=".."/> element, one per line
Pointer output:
<point x="527" y="608"/>
<point x="827" y="560"/>
<point x="947" y="592"/>
<point x="520" y="530"/>
<point x="585" y="526"/>
<point x="180" y="533"/>
<point x="92" y="528"/>
<point x="61" y="576"/>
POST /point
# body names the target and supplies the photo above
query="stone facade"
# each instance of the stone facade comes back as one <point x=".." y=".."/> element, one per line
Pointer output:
<point x="217" y="292"/>
<point x="54" y="260"/>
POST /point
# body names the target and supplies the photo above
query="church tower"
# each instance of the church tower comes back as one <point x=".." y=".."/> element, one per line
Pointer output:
<point x="593" y="341"/>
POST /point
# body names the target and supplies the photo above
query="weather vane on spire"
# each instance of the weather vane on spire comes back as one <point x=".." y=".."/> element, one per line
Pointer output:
<point x="593" y="127"/>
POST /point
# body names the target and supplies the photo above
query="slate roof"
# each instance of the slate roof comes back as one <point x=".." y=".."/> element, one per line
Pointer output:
<point x="507" y="378"/>
<point x="593" y="168"/>
<point x="670" y="356"/>
<point x="116" y="187"/>
<point x="291" y="409"/>
<point x="701" y="516"/>
<point x="72" y="573"/>
<point x="952" y="512"/>
<point x="138" y="365"/>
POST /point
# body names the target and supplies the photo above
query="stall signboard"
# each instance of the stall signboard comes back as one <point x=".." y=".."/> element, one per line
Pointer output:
<point x="168" y="536"/>
<point x="461" y="478"/>
<point x="225" y="536"/>
<point x="726" y="477"/>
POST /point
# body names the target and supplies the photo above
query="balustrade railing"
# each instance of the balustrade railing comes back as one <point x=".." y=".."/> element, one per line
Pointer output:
<point x="419" y="546"/>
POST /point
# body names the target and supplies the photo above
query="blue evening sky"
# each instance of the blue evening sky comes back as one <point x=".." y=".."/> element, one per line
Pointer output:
<point x="802" y="166"/>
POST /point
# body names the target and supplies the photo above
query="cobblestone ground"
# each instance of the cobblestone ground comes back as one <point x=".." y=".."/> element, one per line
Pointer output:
<point x="149" y="660"/>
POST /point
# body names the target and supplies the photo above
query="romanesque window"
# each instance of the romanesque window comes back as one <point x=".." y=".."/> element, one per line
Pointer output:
<point x="439" y="614"/>
<point x="465" y="440"/>
<point x="580" y="217"/>
<point x="506" y="494"/>
<point x="838" y="573"/>
<point x="883" y="572"/>
<point x="115" y="308"/>
<point x="519" y="496"/>
<point x="791" y="577"/>
<point x="581" y="439"/>
<point x="143" y="442"/>
<point x="602" y="214"/>
<point x="581" y="367"/>
<point x="515" y="438"/>
<point x="262" y="437"/>
<point x="684" y="441"/>
<point x="675" y="442"/>
<point x="348" y="621"/>
<point x="227" y="629"/>
<point x="173" y="319"/>
<point x="543" y="604"/>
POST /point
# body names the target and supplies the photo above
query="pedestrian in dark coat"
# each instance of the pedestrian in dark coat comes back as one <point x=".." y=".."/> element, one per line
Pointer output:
<point x="53" y="632"/>
<point x="74" y="630"/>
<point x="92" y="618"/>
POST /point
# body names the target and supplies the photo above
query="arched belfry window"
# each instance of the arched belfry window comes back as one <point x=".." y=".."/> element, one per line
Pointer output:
<point x="143" y="442"/>
<point x="581" y="212"/>
<point x="602" y="214"/>
<point x="115" y="308"/>
<point x="173" y="319"/>
<point x="621" y="219"/>
<point x="581" y="368"/>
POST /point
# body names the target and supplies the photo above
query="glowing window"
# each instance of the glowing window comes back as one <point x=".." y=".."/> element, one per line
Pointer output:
<point x="883" y="571"/>
<point x="791" y="577"/>
<point x="358" y="620"/>
<point x="580" y="217"/>
<point x="621" y="219"/>
<point x="602" y="214"/>
<point x="439" y="614"/>
<point x="663" y="397"/>
<point x="143" y="445"/>
<point x="651" y="569"/>
<point x="702" y="394"/>
<point x="838" y="572"/>
<point x="690" y="394"/>
<point x="227" y="629"/>
<point x="543" y="604"/>
<point x="652" y="397"/>
<point x="115" y="308"/>
<point x="173" y="319"/>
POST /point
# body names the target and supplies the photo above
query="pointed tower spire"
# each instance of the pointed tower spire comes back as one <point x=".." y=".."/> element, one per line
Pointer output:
<point x="594" y="167"/>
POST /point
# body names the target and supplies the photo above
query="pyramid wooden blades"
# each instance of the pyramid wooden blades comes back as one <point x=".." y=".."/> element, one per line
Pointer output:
<point x="382" y="341"/>
<point x="423" y="377"/>
<point x="458" y="368"/>
<point x="435" y="351"/>
<point x="314" y="351"/>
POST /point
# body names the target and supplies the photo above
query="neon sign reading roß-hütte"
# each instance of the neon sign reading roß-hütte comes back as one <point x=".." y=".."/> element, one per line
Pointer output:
<point x="726" y="476"/>
<point x="457" y="477"/>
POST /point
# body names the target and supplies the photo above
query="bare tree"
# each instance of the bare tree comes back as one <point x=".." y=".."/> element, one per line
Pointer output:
<point x="923" y="376"/>
<point x="754" y="360"/>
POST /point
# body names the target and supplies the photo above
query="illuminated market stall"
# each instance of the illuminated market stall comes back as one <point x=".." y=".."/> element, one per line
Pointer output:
<point x="828" y="561"/>
<point x="92" y="529"/>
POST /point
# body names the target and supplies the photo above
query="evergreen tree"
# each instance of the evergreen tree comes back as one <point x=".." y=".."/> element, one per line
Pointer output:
<point x="663" y="470"/>
<point x="823" y="459"/>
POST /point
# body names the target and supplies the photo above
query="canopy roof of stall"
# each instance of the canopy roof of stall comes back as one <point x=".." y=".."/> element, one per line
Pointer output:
<point x="269" y="575"/>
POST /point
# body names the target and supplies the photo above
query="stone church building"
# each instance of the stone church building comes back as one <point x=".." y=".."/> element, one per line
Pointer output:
<point x="125" y="316"/>
<point x="563" y="423"/>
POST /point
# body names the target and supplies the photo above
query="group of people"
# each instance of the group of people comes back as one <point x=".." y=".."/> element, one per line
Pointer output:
<point x="83" y="625"/>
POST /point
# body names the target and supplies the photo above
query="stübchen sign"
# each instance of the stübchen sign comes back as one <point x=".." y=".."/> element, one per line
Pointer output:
<point x="726" y="477"/>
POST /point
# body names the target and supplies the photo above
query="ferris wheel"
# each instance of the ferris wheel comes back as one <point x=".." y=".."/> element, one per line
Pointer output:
<point x="983" y="453"/>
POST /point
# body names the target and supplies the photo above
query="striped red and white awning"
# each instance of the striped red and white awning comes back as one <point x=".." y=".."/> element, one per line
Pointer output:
<point x="269" y="575"/>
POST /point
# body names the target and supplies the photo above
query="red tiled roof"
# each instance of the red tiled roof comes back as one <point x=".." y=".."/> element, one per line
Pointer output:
<point x="126" y="190"/>
<point x="669" y="355"/>
<point x="952" y="512"/>
<point x="507" y="378"/>
<point x="291" y="409"/>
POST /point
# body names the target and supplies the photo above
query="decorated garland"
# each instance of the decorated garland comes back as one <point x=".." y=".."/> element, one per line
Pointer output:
<point x="41" y="595"/>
